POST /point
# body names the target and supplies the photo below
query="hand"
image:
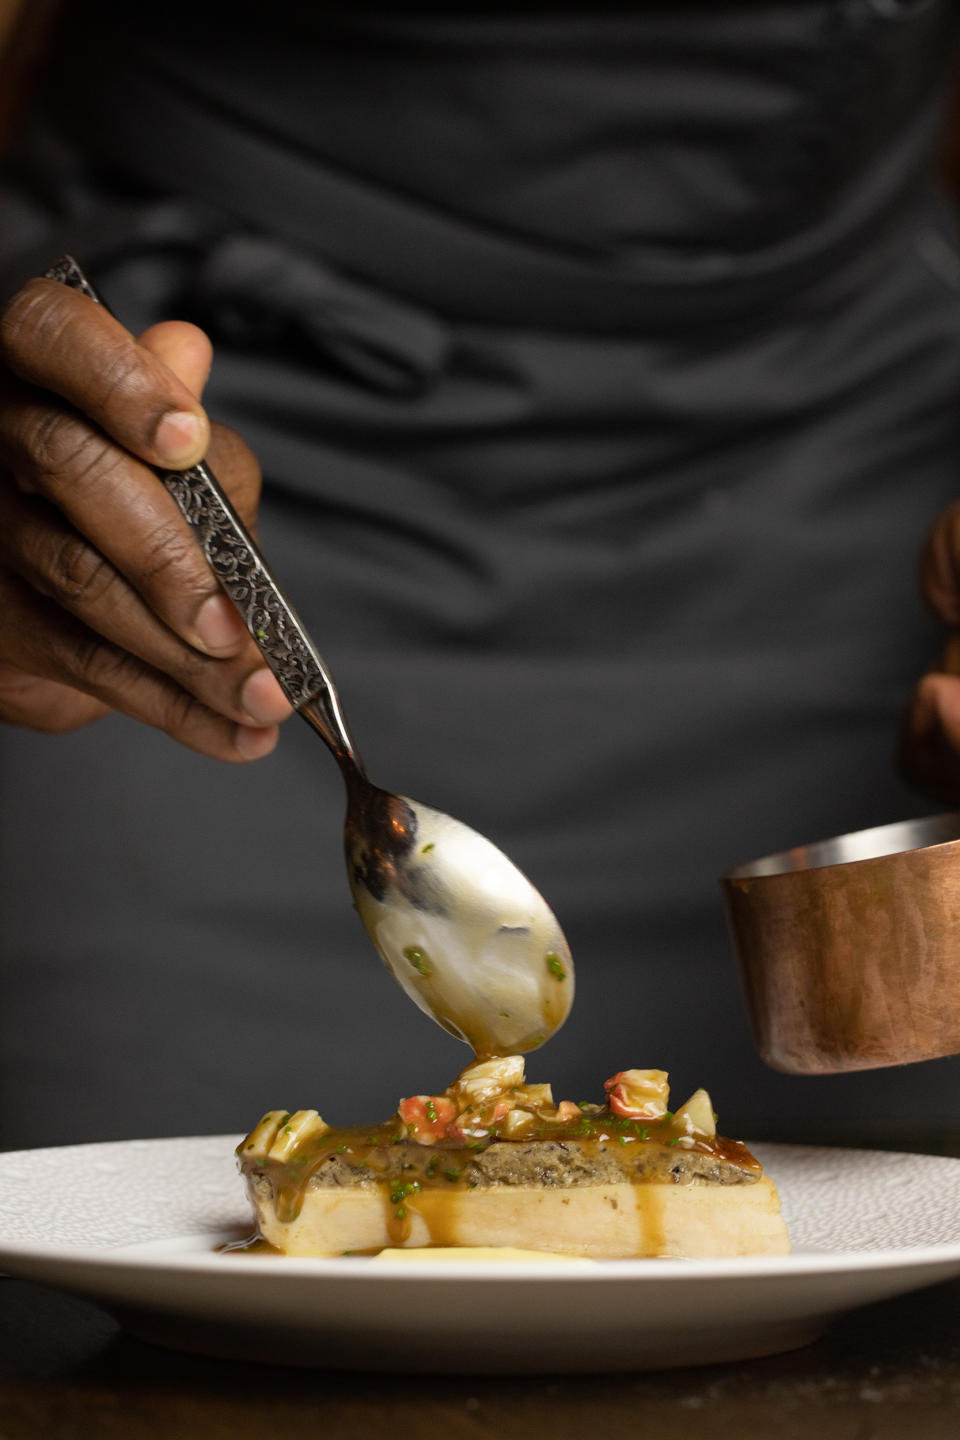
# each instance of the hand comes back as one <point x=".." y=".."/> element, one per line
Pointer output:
<point x="106" y="601"/>
<point x="930" y="735"/>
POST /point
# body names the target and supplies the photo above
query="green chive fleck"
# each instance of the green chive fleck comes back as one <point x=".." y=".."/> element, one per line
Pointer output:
<point x="555" y="966"/>
<point x="418" y="959"/>
<point x="425" y="849"/>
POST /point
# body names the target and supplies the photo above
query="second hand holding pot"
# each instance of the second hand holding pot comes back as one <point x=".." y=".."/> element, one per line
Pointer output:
<point x="467" y="936"/>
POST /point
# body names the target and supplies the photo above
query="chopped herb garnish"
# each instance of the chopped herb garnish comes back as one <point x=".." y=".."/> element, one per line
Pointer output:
<point x="505" y="1014"/>
<point x="410" y="1187"/>
<point x="287" y="1130"/>
<point x="451" y="1175"/>
<point x="418" y="959"/>
<point x="250" y="1146"/>
<point x="555" y="965"/>
<point x="261" y="634"/>
<point x="340" y="1149"/>
<point x="425" y="849"/>
<point x="400" y="1213"/>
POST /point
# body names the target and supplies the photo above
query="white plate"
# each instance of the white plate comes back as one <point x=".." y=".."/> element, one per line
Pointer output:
<point x="132" y="1226"/>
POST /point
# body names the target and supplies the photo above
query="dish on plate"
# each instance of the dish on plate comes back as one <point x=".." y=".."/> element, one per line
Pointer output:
<point x="494" y="1162"/>
<point x="133" y="1226"/>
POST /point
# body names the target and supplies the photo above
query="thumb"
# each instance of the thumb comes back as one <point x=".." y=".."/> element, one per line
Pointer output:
<point x="184" y="349"/>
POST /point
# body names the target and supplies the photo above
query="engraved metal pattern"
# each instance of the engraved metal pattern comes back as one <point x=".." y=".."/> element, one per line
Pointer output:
<point x="66" y="271"/>
<point x="242" y="571"/>
<point x="240" y="568"/>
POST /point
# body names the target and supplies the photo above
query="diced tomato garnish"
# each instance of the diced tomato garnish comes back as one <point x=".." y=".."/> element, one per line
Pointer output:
<point x="427" y="1117"/>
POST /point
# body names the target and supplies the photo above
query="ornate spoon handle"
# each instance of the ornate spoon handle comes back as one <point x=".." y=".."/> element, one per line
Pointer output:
<point x="235" y="559"/>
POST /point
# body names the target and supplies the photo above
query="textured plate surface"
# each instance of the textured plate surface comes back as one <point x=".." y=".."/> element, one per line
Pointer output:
<point x="133" y="1226"/>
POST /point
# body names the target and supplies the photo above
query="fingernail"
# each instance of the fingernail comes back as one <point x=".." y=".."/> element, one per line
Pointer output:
<point x="263" y="699"/>
<point x="254" y="744"/>
<point x="218" y="627"/>
<point x="179" y="438"/>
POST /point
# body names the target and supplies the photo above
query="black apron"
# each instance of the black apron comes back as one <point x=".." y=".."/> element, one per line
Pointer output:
<point x="603" y="368"/>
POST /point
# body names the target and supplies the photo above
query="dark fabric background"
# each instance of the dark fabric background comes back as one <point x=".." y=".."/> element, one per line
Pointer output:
<point x="603" y="369"/>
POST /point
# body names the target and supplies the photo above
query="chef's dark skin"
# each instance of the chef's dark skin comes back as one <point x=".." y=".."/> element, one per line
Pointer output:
<point x="107" y="602"/>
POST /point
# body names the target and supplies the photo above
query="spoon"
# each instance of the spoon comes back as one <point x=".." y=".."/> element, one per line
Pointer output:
<point x="462" y="930"/>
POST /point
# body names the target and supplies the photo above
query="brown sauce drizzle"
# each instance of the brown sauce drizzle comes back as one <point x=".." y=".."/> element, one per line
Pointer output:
<point x="429" y="1181"/>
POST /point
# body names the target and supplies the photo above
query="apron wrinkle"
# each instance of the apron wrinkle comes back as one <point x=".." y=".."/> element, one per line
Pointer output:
<point x="259" y="292"/>
<point x="604" y="376"/>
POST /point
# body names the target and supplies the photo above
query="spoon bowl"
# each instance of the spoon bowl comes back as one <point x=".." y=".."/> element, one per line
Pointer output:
<point x="461" y="929"/>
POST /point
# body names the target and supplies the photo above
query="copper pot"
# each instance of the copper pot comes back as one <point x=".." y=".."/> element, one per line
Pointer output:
<point x="849" y="949"/>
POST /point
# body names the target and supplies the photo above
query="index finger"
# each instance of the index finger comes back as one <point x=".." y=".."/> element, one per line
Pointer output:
<point x="61" y="341"/>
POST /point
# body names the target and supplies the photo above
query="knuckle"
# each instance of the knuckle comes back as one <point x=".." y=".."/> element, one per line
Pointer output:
<point x="170" y="550"/>
<point x="32" y="316"/>
<point x="78" y="576"/>
<point x="178" y="712"/>
<point x="66" y="452"/>
<point x="120" y="371"/>
<point x="104" y="668"/>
